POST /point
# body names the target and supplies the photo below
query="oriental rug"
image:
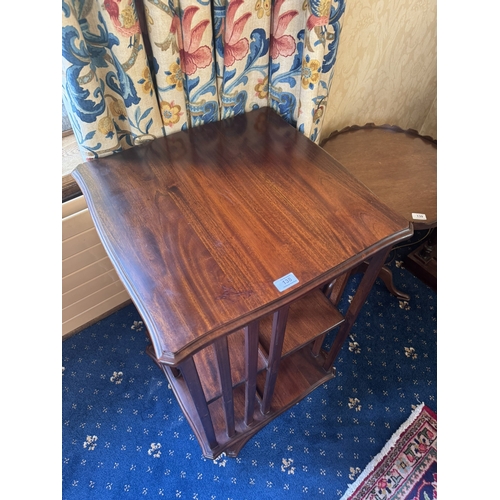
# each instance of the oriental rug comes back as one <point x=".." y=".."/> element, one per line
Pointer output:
<point x="406" y="468"/>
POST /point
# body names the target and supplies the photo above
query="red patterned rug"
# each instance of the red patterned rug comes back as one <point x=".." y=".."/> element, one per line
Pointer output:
<point x="406" y="468"/>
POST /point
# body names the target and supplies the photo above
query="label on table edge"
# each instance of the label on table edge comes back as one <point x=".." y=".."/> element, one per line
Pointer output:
<point x="285" y="282"/>
<point x="419" y="216"/>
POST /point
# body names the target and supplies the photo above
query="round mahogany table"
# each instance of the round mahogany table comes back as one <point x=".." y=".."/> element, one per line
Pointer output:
<point x="400" y="167"/>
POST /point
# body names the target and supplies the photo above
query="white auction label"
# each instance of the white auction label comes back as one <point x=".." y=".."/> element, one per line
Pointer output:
<point x="285" y="282"/>
<point x="419" y="216"/>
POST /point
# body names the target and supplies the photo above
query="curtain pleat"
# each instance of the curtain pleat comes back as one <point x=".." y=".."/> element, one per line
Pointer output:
<point x="107" y="87"/>
<point x="210" y="59"/>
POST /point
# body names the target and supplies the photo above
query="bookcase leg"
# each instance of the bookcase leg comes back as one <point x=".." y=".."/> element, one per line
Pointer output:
<point x="192" y="379"/>
<point x="376" y="263"/>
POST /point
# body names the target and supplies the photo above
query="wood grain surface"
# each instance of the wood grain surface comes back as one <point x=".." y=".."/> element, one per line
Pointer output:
<point x="399" y="167"/>
<point x="200" y="224"/>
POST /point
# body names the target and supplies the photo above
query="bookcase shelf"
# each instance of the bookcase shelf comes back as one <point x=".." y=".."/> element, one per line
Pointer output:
<point x="309" y="317"/>
<point x="300" y="372"/>
<point x="224" y="235"/>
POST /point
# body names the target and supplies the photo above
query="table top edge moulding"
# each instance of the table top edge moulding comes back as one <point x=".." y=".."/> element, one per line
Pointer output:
<point x="179" y="201"/>
<point x="254" y="146"/>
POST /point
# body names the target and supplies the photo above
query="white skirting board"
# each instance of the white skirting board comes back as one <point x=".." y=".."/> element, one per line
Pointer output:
<point x="91" y="288"/>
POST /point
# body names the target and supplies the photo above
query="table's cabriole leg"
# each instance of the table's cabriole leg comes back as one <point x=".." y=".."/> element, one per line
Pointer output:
<point x="376" y="263"/>
<point x="192" y="379"/>
<point x="278" y="334"/>
<point x="251" y="353"/>
<point x="385" y="275"/>
<point x="222" y="351"/>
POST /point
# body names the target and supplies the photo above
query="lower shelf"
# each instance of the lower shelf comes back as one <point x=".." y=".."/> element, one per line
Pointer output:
<point x="299" y="374"/>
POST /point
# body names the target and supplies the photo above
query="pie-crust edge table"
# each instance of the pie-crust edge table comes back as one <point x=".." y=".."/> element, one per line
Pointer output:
<point x="400" y="167"/>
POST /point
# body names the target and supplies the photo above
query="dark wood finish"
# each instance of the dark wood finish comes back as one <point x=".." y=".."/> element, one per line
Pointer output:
<point x="199" y="225"/>
<point x="333" y="292"/>
<point x="206" y="364"/>
<point x="299" y="374"/>
<point x="70" y="188"/>
<point x="221" y="211"/>
<point x="337" y="287"/>
<point x="422" y="261"/>
<point x="226" y="384"/>
<point x="277" y="337"/>
<point x="376" y="262"/>
<point x="308" y="317"/>
<point x="251" y="368"/>
<point x="393" y="128"/>
<point x="192" y="379"/>
<point x="399" y="166"/>
<point x="387" y="278"/>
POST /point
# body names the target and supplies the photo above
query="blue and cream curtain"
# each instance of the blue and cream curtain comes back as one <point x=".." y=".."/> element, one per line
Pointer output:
<point x="208" y="60"/>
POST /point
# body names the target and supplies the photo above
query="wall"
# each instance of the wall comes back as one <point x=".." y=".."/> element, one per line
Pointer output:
<point x="386" y="67"/>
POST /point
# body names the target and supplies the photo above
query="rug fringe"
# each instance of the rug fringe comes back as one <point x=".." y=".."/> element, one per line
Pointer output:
<point x="390" y="444"/>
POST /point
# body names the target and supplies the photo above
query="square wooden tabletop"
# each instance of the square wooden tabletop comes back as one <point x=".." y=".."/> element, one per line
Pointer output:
<point x="201" y="225"/>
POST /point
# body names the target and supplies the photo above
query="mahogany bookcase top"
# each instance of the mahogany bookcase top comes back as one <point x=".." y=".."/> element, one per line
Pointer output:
<point x="202" y="224"/>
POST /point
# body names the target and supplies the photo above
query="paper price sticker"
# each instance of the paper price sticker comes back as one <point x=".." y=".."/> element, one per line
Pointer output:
<point x="285" y="282"/>
<point x="419" y="216"/>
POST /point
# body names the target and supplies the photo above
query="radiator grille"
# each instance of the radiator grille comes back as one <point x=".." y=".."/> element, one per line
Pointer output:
<point x="91" y="288"/>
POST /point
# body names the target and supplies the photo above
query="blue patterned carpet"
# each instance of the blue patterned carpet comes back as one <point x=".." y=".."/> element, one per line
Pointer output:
<point x="124" y="435"/>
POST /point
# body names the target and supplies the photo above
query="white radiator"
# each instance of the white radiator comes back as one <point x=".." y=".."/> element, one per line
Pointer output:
<point x="91" y="288"/>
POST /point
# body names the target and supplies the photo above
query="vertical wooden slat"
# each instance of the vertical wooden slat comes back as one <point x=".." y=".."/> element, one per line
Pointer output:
<point x="277" y="336"/>
<point x="251" y="353"/>
<point x="334" y="292"/>
<point x="337" y="289"/>
<point x="222" y="352"/>
<point x="376" y="262"/>
<point x="190" y="375"/>
<point x="317" y="345"/>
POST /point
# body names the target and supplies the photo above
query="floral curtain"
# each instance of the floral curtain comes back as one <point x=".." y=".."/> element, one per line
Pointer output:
<point x="134" y="70"/>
